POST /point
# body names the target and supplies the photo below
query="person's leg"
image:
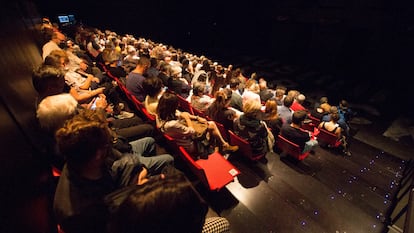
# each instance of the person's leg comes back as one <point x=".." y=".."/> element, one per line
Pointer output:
<point x="155" y="164"/>
<point x="309" y="145"/>
<point x="136" y="132"/>
<point x="145" y="149"/>
<point x="144" y="146"/>
<point x="215" y="131"/>
<point x="217" y="135"/>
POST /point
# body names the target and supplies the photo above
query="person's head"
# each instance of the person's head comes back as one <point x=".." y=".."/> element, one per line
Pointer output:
<point x="293" y="93"/>
<point x="252" y="108"/>
<point x="152" y="86"/>
<point x="271" y="107"/>
<point x="199" y="89"/>
<point x="324" y="105"/>
<point x="280" y="92"/>
<point x="222" y="97"/>
<point x="288" y="101"/>
<point x="112" y="56"/>
<point x="84" y="138"/>
<point x="262" y="84"/>
<point x="48" y="80"/>
<point x="57" y="58"/>
<point x="333" y="109"/>
<point x="323" y="100"/>
<point x="334" y="117"/>
<point x="298" y="117"/>
<point x="175" y="71"/>
<point x="143" y="63"/>
<point x="54" y="110"/>
<point x="167" y="204"/>
<point x="58" y="37"/>
<point x="252" y="85"/>
<point x="167" y="105"/>
<point x="343" y="105"/>
<point x="301" y="98"/>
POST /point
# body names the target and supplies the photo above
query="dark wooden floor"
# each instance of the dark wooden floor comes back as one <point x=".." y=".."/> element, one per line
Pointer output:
<point x="326" y="192"/>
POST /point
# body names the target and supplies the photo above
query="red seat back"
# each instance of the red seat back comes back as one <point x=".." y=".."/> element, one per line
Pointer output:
<point x="290" y="148"/>
<point x="215" y="172"/>
<point x="327" y="138"/>
<point x="184" y="105"/>
<point x="244" y="146"/>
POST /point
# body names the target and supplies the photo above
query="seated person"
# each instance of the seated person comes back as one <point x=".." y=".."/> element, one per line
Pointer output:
<point x="177" y="83"/>
<point x="136" y="78"/>
<point x="93" y="171"/>
<point x="219" y="110"/>
<point x="199" y="100"/>
<point x="333" y="127"/>
<point x="250" y="127"/>
<point x="154" y="88"/>
<point x="280" y="94"/>
<point x="271" y="117"/>
<point x="323" y="103"/>
<point x="294" y="133"/>
<point x="285" y="112"/>
<point x="298" y="102"/>
<point x="265" y="93"/>
<point x="345" y="111"/>
<point x="49" y="82"/>
<point x="341" y="121"/>
<point x="179" y="125"/>
<point x="167" y="204"/>
<point x="251" y="91"/>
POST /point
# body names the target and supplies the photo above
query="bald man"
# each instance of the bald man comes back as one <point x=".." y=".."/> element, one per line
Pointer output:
<point x="53" y="44"/>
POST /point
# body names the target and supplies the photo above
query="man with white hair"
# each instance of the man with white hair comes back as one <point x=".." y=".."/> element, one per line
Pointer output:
<point x="297" y="104"/>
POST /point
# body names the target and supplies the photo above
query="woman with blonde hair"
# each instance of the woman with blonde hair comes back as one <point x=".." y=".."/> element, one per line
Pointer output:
<point x="250" y="127"/>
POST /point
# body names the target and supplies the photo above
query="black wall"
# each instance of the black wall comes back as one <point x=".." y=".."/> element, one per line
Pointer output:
<point x="26" y="185"/>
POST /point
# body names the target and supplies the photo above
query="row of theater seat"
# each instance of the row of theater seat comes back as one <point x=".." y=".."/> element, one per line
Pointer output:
<point x="215" y="172"/>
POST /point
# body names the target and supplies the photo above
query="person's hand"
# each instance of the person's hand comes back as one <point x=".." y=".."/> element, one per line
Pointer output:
<point x="99" y="90"/>
<point x="202" y="120"/>
<point x="101" y="101"/>
<point x="142" y="176"/>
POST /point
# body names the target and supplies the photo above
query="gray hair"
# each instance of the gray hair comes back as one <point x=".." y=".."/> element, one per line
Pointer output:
<point x="54" y="110"/>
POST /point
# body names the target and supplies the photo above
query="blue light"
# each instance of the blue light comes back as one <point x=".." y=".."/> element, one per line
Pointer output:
<point x="303" y="223"/>
<point x="315" y="212"/>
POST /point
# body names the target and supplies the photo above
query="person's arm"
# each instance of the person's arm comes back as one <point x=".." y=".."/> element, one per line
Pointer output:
<point x="187" y="117"/>
<point x="85" y="96"/>
<point x="89" y="79"/>
<point x="142" y="176"/>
